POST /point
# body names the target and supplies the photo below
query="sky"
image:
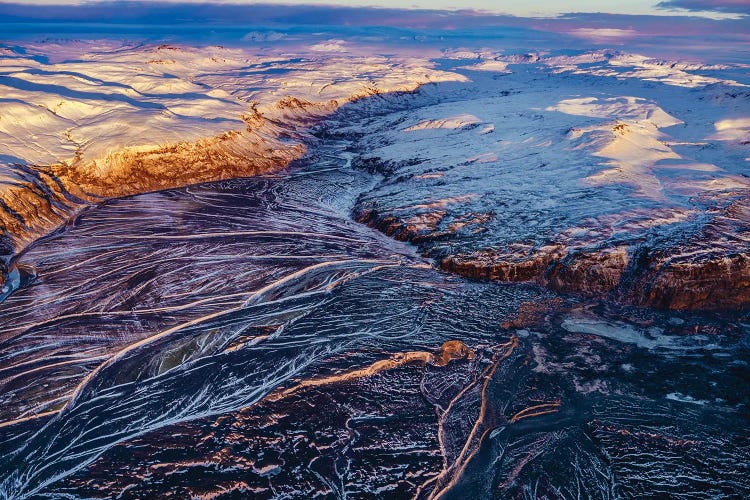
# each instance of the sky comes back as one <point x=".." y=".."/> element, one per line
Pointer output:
<point x="716" y="9"/>
<point x="698" y="30"/>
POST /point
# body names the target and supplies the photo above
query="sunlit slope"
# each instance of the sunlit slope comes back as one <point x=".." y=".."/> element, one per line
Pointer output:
<point x="81" y="122"/>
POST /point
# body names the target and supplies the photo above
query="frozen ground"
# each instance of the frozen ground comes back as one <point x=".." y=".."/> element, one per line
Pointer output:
<point x="574" y="171"/>
<point x="327" y="270"/>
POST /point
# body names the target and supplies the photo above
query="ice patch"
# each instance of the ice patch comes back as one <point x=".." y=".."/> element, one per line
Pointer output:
<point x="606" y="34"/>
<point x="627" y="108"/>
<point x="330" y="46"/>
<point x="454" y="122"/>
<point x="621" y="332"/>
<point x="736" y="129"/>
<point x="684" y="398"/>
<point x="493" y="66"/>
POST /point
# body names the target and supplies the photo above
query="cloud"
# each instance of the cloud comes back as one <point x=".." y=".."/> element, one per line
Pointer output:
<point x="329" y="46"/>
<point x="260" y="36"/>
<point x="175" y="13"/>
<point x="142" y="12"/>
<point x="603" y="34"/>
<point x="285" y="25"/>
<point x="725" y="6"/>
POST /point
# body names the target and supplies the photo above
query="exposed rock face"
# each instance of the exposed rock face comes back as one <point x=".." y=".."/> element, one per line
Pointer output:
<point x="487" y="264"/>
<point x="708" y="273"/>
<point x="225" y="156"/>
<point x="591" y="273"/>
<point x="715" y="284"/>
<point x="415" y="229"/>
<point x="710" y="270"/>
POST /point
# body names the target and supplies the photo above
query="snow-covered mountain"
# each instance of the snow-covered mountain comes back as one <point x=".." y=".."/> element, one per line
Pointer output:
<point x="115" y="120"/>
<point x="577" y="172"/>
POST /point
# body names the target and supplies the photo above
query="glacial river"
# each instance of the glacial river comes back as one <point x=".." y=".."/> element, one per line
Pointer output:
<point x="249" y="338"/>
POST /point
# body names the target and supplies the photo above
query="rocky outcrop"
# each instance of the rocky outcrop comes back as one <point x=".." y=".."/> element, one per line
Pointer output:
<point x="415" y="229"/>
<point x="228" y="155"/>
<point x="501" y="266"/>
<point x="593" y="273"/>
<point x="720" y="283"/>
<point x="708" y="270"/>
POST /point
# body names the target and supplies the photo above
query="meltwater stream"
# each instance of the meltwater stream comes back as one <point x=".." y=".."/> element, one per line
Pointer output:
<point x="248" y="339"/>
